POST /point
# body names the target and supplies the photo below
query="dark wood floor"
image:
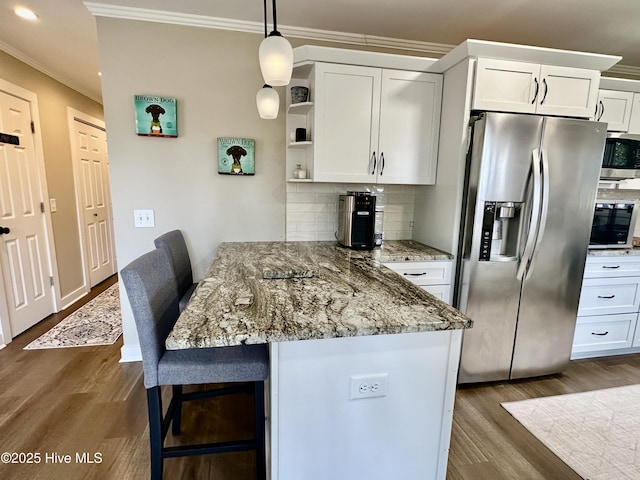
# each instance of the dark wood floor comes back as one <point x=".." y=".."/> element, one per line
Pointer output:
<point x="81" y="400"/>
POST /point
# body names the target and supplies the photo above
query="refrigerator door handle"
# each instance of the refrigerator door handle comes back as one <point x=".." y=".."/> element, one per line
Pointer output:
<point x="544" y="211"/>
<point x="535" y="215"/>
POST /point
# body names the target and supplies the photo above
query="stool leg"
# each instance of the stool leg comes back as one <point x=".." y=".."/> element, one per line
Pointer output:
<point x="154" y="404"/>
<point x="261" y="467"/>
<point x="176" y="415"/>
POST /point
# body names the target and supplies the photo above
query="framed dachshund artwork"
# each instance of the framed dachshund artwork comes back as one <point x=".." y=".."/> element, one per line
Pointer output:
<point x="156" y="116"/>
<point x="236" y="156"/>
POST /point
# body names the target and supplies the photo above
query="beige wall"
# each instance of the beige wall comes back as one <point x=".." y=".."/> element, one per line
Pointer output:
<point x="214" y="74"/>
<point x="53" y="100"/>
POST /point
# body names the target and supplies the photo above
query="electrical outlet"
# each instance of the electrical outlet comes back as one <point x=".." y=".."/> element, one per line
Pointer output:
<point x="144" y="219"/>
<point x="367" y="386"/>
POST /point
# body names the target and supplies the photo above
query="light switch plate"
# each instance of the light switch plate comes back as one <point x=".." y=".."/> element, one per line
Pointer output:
<point x="52" y="205"/>
<point x="144" y="219"/>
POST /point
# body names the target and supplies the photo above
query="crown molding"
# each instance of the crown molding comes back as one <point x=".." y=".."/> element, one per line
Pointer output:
<point x="8" y="49"/>
<point x="192" y="20"/>
<point x="625" y="70"/>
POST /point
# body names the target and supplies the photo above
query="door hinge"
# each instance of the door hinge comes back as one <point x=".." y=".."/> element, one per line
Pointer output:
<point x="51" y="281"/>
<point x="42" y="207"/>
<point x="33" y="127"/>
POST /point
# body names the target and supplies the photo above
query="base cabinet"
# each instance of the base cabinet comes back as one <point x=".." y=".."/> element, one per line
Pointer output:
<point x="320" y="429"/>
<point x="432" y="276"/>
<point x="607" y="322"/>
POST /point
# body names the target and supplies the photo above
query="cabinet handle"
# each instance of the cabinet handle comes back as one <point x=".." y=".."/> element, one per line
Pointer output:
<point x="381" y="162"/>
<point x="414" y="274"/>
<point x="600" y="334"/>
<point x="601" y="110"/>
<point x="612" y="268"/>
<point x="546" y="89"/>
<point x="373" y="170"/>
<point x="607" y="297"/>
<point x="535" y="95"/>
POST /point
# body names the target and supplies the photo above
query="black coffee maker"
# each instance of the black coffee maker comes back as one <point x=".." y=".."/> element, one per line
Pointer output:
<point x="357" y="221"/>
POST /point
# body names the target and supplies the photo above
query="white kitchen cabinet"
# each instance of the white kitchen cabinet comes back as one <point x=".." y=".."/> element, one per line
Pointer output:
<point x="614" y="108"/>
<point x="634" y="121"/>
<point x="609" y="306"/>
<point x="375" y="125"/>
<point x="504" y="85"/>
<point x="607" y="332"/>
<point x="434" y="276"/>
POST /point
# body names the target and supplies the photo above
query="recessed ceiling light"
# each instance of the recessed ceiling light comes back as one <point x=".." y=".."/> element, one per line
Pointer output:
<point x="26" y="13"/>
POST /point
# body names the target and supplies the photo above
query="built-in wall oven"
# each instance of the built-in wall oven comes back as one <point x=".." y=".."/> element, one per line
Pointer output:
<point x="613" y="224"/>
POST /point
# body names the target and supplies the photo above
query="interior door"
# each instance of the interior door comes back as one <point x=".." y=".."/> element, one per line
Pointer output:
<point x="24" y="253"/>
<point x="95" y="200"/>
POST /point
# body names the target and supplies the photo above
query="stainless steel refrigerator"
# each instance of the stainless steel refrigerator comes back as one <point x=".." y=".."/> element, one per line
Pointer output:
<point x="531" y="185"/>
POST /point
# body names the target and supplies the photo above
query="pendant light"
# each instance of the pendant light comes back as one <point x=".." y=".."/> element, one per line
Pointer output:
<point x="267" y="98"/>
<point x="268" y="102"/>
<point x="276" y="56"/>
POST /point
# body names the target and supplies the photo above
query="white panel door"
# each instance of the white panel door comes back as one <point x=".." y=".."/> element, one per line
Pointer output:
<point x="347" y="108"/>
<point x="24" y="255"/>
<point x="95" y="200"/>
<point x="409" y="127"/>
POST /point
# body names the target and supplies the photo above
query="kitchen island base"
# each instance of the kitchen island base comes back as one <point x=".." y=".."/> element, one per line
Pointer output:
<point x="318" y="432"/>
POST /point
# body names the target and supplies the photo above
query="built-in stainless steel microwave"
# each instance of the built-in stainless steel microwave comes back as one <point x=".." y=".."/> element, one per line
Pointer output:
<point x="621" y="158"/>
<point x="613" y="225"/>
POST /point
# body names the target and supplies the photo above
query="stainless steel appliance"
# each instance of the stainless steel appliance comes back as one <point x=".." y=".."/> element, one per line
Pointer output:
<point x="613" y="225"/>
<point x="530" y="190"/>
<point x="357" y="220"/>
<point x="621" y="158"/>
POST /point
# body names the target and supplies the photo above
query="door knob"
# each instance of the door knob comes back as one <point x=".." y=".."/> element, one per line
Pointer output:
<point x="4" y="230"/>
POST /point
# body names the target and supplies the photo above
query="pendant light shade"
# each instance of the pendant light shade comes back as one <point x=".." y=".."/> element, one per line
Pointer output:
<point x="276" y="60"/>
<point x="268" y="102"/>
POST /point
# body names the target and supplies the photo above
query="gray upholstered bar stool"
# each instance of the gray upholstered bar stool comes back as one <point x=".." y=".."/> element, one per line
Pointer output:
<point x="174" y="245"/>
<point x="152" y="293"/>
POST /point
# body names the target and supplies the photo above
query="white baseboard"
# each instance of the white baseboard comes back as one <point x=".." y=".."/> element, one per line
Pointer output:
<point x="130" y="353"/>
<point x="73" y="297"/>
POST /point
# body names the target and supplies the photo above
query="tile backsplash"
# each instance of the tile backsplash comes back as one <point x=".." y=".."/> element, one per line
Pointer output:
<point x="312" y="209"/>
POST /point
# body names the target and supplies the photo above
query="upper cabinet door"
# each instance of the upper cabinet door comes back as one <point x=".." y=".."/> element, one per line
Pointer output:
<point x="634" y="122"/>
<point x="614" y="108"/>
<point x="519" y="87"/>
<point x="409" y="127"/>
<point x="347" y="106"/>
<point x="506" y="86"/>
<point x="570" y="92"/>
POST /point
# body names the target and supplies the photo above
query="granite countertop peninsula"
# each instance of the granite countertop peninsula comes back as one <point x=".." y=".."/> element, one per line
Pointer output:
<point x="260" y="292"/>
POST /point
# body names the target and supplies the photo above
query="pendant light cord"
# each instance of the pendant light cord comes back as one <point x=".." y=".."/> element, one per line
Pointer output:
<point x="265" y="18"/>
<point x="275" y="23"/>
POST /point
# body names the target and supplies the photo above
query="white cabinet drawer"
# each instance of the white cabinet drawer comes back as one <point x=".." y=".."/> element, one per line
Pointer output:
<point x="423" y="273"/>
<point x="605" y="296"/>
<point x="441" y="292"/>
<point x="612" y="267"/>
<point x="606" y="332"/>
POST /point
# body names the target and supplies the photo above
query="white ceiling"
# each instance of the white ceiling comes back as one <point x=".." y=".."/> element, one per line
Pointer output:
<point x="63" y="42"/>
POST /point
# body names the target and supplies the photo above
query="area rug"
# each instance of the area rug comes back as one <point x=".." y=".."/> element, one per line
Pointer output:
<point x="98" y="322"/>
<point x="596" y="433"/>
